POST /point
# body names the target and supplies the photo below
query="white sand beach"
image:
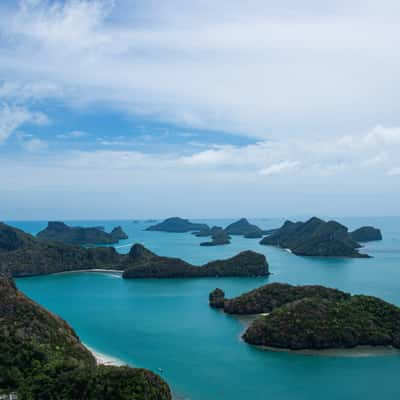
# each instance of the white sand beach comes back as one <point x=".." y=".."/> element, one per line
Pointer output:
<point x="105" y="359"/>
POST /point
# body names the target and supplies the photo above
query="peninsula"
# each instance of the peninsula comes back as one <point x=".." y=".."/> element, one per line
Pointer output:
<point x="142" y="263"/>
<point x="43" y="358"/>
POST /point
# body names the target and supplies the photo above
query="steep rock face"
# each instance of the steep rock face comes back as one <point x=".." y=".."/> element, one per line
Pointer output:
<point x="218" y="237"/>
<point x="118" y="234"/>
<point x="13" y="239"/>
<point x="315" y="323"/>
<point x="177" y="225"/>
<point x="146" y="264"/>
<point x="41" y="357"/>
<point x="217" y="298"/>
<point x="60" y="232"/>
<point x="243" y="227"/>
<point x="273" y="295"/>
<point x="366" y="234"/>
<point x="315" y="238"/>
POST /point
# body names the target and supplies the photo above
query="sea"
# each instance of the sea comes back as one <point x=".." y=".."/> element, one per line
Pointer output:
<point x="168" y="327"/>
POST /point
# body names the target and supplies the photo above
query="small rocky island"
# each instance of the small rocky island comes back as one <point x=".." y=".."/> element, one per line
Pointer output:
<point x="60" y="232"/>
<point x="313" y="317"/>
<point x="142" y="263"/>
<point x="177" y="225"/>
<point x="43" y="358"/>
<point x="315" y="237"/>
<point x="24" y="255"/>
<point x="366" y="234"/>
<point x="245" y="228"/>
<point x="218" y="236"/>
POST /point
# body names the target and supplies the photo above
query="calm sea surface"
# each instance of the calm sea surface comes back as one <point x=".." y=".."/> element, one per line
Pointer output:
<point x="167" y="323"/>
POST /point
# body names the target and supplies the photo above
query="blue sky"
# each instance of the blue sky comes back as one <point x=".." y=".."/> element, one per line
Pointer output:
<point x="117" y="108"/>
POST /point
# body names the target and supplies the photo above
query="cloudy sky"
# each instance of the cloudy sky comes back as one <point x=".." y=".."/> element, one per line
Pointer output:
<point x="150" y="108"/>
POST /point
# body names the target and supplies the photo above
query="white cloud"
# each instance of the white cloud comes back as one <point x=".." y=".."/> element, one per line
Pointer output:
<point x="34" y="145"/>
<point x="73" y="135"/>
<point x="279" y="168"/>
<point x="252" y="69"/>
<point x="394" y="172"/>
<point x="12" y="117"/>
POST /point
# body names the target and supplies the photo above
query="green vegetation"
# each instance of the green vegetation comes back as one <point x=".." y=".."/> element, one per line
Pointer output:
<point x="41" y="358"/>
<point x="315" y="237"/>
<point x="315" y="323"/>
<point x="268" y="297"/>
<point x="60" y="232"/>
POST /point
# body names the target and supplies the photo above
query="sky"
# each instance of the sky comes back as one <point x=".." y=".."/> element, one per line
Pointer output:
<point x="148" y="109"/>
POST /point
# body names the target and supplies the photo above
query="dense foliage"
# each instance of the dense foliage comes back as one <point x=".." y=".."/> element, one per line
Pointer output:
<point x="60" y="232"/>
<point x="315" y="238"/>
<point x="41" y="358"/>
<point x="315" y="323"/>
<point x="142" y="263"/>
<point x="268" y="297"/>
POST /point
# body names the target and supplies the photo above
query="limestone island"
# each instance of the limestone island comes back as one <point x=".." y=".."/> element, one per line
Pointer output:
<point x="142" y="263"/>
<point x="366" y="234"/>
<point x="43" y="358"/>
<point x="315" y="237"/>
<point x="177" y="225"/>
<point x="218" y="236"/>
<point x="313" y="318"/>
<point x="245" y="228"/>
<point x="22" y="254"/>
<point x="60" y="232"/>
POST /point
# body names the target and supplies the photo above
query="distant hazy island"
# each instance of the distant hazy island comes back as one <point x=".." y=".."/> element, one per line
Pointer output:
<point x="60" y="232"/>
<point x="313" y="317"/>
<point x="41" y="357"/>
<point x="24" y="255"/>
<point x="177" y="225"/>
<point x="316" y="237"/>
<point x="220" y="236"/>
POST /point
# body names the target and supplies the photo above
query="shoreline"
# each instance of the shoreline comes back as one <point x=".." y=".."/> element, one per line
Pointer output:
<point x="105" y="359"/>
<point x="111" y="271"/>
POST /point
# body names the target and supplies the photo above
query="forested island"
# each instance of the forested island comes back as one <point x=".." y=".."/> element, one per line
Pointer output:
<point x="313" y="317"/>
<point x="316" y="237"/>
<point x="25" y="255"/>
<point x="41" y="357"/>
<point x="60" y="232"/>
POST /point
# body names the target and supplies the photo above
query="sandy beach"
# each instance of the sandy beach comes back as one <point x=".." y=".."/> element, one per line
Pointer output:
<point x="104" y="359"/>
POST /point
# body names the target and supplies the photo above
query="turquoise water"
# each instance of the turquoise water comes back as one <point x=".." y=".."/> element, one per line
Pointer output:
<point x="167" y="323"/>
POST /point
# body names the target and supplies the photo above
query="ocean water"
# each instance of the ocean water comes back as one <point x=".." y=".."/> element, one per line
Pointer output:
<point x="168" y="324"/>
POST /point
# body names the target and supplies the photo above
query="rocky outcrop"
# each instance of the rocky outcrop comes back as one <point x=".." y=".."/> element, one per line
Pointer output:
<point x="315" y="323"/>
<point x="268" y="297"/>
<point x="118" y="234"/>
<point x="243" y="227"/>
<point x="218" y="237"/>
<point x="177" y="225"/>
<point x="43" y="358"/>
<point x="60" y="232"/>
<point x="315" y="238"/>
<point x="366" y="234"/>
<point x="142" y="263"/>
<point x="217" y="298"/>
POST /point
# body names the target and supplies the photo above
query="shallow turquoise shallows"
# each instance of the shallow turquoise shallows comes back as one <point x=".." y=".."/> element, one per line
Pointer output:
<point x="167" y="324"/>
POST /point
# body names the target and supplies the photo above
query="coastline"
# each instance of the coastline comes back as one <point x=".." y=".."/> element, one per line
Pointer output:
<point x="105" y="359"/>
<point x="111" y="271"/>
